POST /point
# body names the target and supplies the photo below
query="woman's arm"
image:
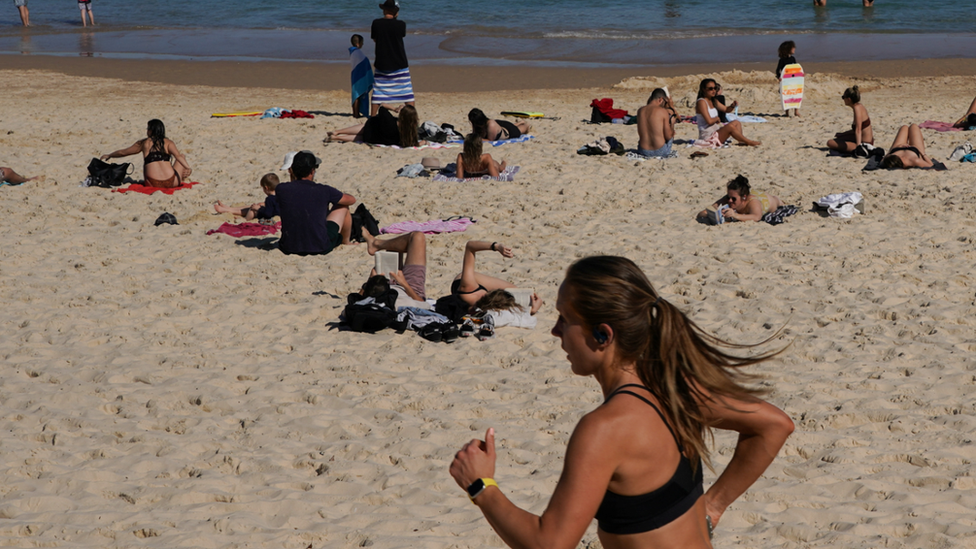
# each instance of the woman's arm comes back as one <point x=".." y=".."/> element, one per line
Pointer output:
<point x="702" y="109"/>
<point x="128" y="151"/>
<point x="180" y="159"/>
<point x="492" y="166"/>
<point x="972" y="109"/>
<point x="460" y="166"/>
<point x="763" y="429"/>
<point x="753" y="212"/>
<point x="469" y="282"/>
<point x="585" y="477"/>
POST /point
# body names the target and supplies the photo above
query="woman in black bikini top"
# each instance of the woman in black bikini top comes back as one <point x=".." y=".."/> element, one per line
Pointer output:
<point x="495" y="130"/>
<point x="907" y="151"/>
<point x="473" y="163"/>
<point x="157" y="154"/>
<point x="635" y="462"/>
<point x="470" y="286"/>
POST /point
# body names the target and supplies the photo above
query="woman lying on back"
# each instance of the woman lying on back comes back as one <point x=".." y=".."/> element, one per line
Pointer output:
<point x="635" y="462"/>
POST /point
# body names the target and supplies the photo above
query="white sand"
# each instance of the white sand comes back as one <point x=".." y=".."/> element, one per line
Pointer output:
<point x="164" y="388"/>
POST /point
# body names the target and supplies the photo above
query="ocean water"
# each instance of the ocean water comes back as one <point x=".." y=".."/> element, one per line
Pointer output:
<point x="600" y="32"/>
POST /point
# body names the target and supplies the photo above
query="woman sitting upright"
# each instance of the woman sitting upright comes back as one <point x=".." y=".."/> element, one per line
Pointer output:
<point x="158" y="156"/>
<point x="860" y="131"/>
<point x="709" y="124"/>
<point x="472" y="163"/>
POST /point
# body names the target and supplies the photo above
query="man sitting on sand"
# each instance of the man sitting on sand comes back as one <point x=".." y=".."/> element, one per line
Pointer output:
<point x="410" y="283"/>
<point x="314" y="217"/>
<point x="655" y="125"/>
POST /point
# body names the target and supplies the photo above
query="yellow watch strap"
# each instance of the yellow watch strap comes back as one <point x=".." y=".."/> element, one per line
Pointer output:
<point x="487" y="482"/>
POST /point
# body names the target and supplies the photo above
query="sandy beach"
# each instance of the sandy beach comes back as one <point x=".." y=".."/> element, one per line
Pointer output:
<point x="165" y="388"/>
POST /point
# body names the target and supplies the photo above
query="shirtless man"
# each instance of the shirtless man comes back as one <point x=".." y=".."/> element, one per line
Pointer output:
<point x="655" y="125"/>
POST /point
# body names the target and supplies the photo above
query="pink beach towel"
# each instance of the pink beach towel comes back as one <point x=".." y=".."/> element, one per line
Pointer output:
<point x="713" y="142"/>
<point x="428" y="227"/>
<point x="246" y="229"/>
<point x="938" y="126"/>
<point x="137" y="188"/>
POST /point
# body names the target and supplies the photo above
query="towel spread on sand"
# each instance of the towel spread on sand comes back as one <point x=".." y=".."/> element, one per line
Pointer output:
<point x="713" y="142"/>
<point x="778" y="216"/>
<point x="137" y="188"/>
<point x="434" y="226"/>
<point x="500" y="142"/>
<point x="362" y="79"/>
<point x="745" y="118"/>
<point x="447" y="174"/>
<point x="246" y="229"/>
<point x="939" y="126"/>
<point x="418" y="147"/>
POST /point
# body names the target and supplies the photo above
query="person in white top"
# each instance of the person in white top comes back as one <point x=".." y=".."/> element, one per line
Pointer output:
<point x="709" y="124"/>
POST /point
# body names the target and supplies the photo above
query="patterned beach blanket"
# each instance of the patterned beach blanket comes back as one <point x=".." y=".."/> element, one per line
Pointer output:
<point x="429" y="227"/>
<point x="449" y="171"/>
<point x="500" y="142"/>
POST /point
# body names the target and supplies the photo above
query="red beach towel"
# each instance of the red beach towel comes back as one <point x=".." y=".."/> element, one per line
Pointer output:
<point x="137" y="188"/>
<point x="246" y="229"/>
<point x="296" y="113"/>
<point x="605" y="106"/>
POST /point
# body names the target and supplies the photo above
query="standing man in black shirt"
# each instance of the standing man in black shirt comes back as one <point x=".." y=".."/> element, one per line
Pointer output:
<point x="392" y="73"/>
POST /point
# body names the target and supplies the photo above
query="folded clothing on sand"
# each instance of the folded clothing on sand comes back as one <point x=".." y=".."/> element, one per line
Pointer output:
<point x="778" y="216"/>
<point x="246" y="229"/>
<point x="137" y="188"/>
<point x="447" y="174"/>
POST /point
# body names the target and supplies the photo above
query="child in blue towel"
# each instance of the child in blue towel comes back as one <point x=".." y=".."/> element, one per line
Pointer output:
<point x="362" y="78"/>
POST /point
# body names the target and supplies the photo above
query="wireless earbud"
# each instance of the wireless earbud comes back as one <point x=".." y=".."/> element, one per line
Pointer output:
<point x="600" y="336"/>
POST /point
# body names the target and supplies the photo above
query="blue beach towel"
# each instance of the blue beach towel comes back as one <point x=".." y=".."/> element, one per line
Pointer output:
<point x="362" y="79"/>
<point x="500" y="142"/>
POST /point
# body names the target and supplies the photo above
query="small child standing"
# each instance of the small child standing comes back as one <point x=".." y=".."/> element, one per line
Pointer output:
<point x="265" y="210"/>
<point x="86" y="12"/>
<point x="786" y="52"/>
<point x="362" y="78"/>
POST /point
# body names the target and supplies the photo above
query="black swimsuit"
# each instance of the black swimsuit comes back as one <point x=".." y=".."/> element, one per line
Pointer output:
<point x="910" y="149"/>
<point x="456" y="286"/>
<point x="635" y="514"/>
<point x="509" y="128"/>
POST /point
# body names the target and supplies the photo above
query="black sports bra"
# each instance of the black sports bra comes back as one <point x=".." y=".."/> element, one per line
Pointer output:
<point x="635" y="514"/>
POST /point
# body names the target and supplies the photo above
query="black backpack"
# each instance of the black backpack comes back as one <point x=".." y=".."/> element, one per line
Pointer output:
<point x="363" y="218"/>
<point x="372" y="317"/>
<point x="106" y="175"/>
<point x="451" y="306"/>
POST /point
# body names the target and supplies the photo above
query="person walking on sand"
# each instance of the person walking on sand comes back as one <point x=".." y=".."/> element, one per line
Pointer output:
<point x="655" y="125"/>
<point x="391" y="72"/>
<point x="635" y="462"/>
<point x="86" y="12"/>
<point x="24" y="12"/>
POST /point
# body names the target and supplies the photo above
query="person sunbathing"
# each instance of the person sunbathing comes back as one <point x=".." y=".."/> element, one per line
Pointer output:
<point x="472" y="287"/>
<point x="968" y="120"/>
<point x="741" y="204"/>
<point x="907" y="150"/>
<point x="383" y="129"/>
<point x="860" y="131"/>
<point x="158" y="156"/>
<point x="410" y="282"/>
<point x="472" y="163"/>
<point x="709" y="124"/>
<point x="259" y="210"/>
<point x="495" y="130"/>
<point x="8" y="175"/>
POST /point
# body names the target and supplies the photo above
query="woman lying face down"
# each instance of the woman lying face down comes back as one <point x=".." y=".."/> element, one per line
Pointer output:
<point x="740" y="203"/>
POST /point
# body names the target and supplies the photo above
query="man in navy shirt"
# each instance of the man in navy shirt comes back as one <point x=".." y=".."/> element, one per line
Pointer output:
<point x="314" y="217"/>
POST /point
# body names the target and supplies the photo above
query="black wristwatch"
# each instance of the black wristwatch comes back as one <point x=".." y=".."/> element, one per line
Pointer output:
<point x="478" y="486"/>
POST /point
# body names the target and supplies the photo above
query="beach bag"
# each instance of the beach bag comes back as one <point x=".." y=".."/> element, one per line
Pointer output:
<point x="363" y="218"/>
<point x="107" y="175"/>
<point x="372" y="317"/>
<point x="451" y="306"/>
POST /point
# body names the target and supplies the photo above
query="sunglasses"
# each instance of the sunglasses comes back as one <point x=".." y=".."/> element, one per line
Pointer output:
<point x="710" y="88"/>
